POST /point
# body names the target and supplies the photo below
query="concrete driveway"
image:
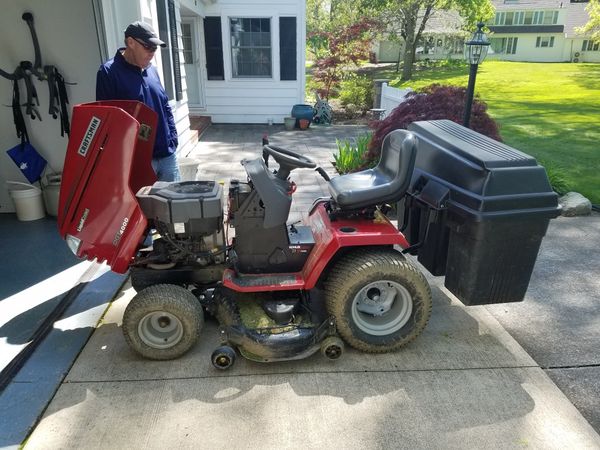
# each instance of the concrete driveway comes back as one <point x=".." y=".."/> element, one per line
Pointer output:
<point x="559" y="322"/>
<point x="464" y="383"/>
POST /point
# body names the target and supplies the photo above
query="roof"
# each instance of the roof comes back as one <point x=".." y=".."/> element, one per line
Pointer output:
<point x="522" y="5"/>
<point x="444" y="21"/>
<point x="577" y="17"/>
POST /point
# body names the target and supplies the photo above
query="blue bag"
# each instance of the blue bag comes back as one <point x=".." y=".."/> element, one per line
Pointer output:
<point x="27" y="159"/>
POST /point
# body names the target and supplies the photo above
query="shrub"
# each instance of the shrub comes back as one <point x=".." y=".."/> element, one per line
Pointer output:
<point x="432" y="103"/>
<point x="357" y="90"/>
<point x="351" y="155"/>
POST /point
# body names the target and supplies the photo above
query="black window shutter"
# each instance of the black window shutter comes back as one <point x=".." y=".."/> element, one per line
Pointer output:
<point x="213" y="44"/>
<point x="175" y="50"/>
<point x="287" y="48"/>
<point x="163" y="29"/>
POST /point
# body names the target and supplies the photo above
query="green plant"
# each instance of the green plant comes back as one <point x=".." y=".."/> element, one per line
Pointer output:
<point x="352" y="154"/>
<point x="557" y="176"/>
<point x="357" y="90"/>
<point x="342" y="48"/>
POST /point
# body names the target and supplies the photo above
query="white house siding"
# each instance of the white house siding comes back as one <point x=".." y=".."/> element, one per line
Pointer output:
<point x="583" y="55"/>
<point x="67" y="35"/>
<point x="239" y="100"/>
<point x="527" y="51"/>
<point x="118" y="14"/>
<point x="387" y="51"/>
<point x="567" y="44"/>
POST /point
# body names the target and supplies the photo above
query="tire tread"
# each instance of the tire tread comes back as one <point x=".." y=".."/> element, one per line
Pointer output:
<point x="358" y="265"/>
<point x="174" y="299"/>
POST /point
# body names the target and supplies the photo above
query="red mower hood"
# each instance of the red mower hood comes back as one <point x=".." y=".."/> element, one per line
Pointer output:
<point x="108" y="160"/>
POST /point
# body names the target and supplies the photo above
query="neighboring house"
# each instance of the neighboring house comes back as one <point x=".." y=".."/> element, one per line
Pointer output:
<point x="540" y="31"/>
<point x="235" y="61"/>
<point x="522" y="30"/>
<point x="443" y="38"/>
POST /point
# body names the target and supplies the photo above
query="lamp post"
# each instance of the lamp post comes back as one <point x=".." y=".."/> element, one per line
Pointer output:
<point x="475" y="51"/>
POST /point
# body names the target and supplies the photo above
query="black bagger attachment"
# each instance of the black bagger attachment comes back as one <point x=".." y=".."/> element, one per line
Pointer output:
<point x="476" y="211"/>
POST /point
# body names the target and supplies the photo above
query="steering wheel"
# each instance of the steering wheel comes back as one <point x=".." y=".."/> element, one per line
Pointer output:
<point x="288" y="160"/>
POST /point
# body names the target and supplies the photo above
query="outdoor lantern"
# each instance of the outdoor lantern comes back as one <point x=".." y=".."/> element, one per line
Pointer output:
<point x="476" y="49"/>
<point x="475" y="52"/>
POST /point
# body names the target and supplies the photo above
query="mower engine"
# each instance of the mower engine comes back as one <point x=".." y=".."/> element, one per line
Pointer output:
<point x="188" y="216"/>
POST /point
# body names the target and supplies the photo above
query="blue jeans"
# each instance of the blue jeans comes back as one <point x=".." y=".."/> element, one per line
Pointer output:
<point x="166" y="168"/>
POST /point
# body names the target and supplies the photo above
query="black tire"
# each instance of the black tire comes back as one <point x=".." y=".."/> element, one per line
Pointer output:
<point x="163" y="321"/>
<point x="223" y="357"/>
<point x="354" y="291"/>
<point x="139" y="286"/>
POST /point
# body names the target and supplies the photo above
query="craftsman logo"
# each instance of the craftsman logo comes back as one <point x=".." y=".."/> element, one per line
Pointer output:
<point x="121" y="231"/>
<point x="82" y="220"/>
<point x="88" y="137"/>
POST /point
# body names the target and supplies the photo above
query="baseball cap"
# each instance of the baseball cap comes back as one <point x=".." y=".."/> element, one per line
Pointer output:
<point x="143" y="32"/>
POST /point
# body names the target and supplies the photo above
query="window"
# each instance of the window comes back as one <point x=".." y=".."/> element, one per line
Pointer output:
<point x="250" y="47"/>
<point x="544" y="41"/>
<point x="519" y="18"/>
<point x="590" y="46"/>
<point x="507" y="46"/>
<point x="186" y="38"/>
<point x="550" y="17"/>
<point x="526" y="18"/>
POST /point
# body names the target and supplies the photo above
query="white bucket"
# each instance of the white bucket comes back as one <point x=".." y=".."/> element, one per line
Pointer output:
<point x="51" y="193"/>
<point x="27" y="200"/>
<point x="188" y="168"/>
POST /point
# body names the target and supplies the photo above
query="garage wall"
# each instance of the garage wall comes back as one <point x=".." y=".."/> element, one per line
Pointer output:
<point x="66" y="31"/>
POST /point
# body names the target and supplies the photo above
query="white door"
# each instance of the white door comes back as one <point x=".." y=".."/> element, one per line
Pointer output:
<point x="192" y="63"/>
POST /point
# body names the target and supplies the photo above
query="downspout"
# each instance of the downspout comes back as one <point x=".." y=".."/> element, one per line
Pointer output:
<point x="571" y="48"/>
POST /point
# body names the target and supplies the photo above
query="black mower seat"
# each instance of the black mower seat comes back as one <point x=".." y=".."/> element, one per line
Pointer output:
<point x="387" y="182"/>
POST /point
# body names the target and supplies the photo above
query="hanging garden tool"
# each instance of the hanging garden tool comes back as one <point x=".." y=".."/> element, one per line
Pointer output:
<point x="27" y="159"/>
<point x="58" y="98"/>
<point x="30" y="107"/>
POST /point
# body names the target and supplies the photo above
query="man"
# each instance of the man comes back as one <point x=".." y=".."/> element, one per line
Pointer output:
<point x="130" y="76"/>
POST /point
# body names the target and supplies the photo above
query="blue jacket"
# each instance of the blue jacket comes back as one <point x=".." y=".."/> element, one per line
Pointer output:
<point x="119" y="80"/>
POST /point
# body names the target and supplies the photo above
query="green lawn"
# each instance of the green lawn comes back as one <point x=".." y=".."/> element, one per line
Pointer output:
<point x="550" y="111"/>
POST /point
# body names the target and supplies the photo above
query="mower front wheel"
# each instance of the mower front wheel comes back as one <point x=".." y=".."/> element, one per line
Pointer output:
<point x="380" y="301"/>
<point x="163" y="321"/>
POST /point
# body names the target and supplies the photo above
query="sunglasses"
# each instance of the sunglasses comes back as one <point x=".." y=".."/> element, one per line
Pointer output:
<point x="150" y="48"/>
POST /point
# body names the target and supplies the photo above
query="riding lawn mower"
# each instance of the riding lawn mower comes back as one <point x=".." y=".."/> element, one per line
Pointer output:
<point x="467" y="207"/>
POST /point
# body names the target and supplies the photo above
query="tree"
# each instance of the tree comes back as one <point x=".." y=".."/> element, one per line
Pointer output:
<point x="338" y="50"/>
<point x="329" y="16"/>
<point x="407" y="19"/>
<point x="592" y="28"/>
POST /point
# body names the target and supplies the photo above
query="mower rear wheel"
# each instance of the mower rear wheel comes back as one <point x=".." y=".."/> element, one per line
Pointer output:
<point x="163" y="321"/>
<point x="380" y="301"/>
